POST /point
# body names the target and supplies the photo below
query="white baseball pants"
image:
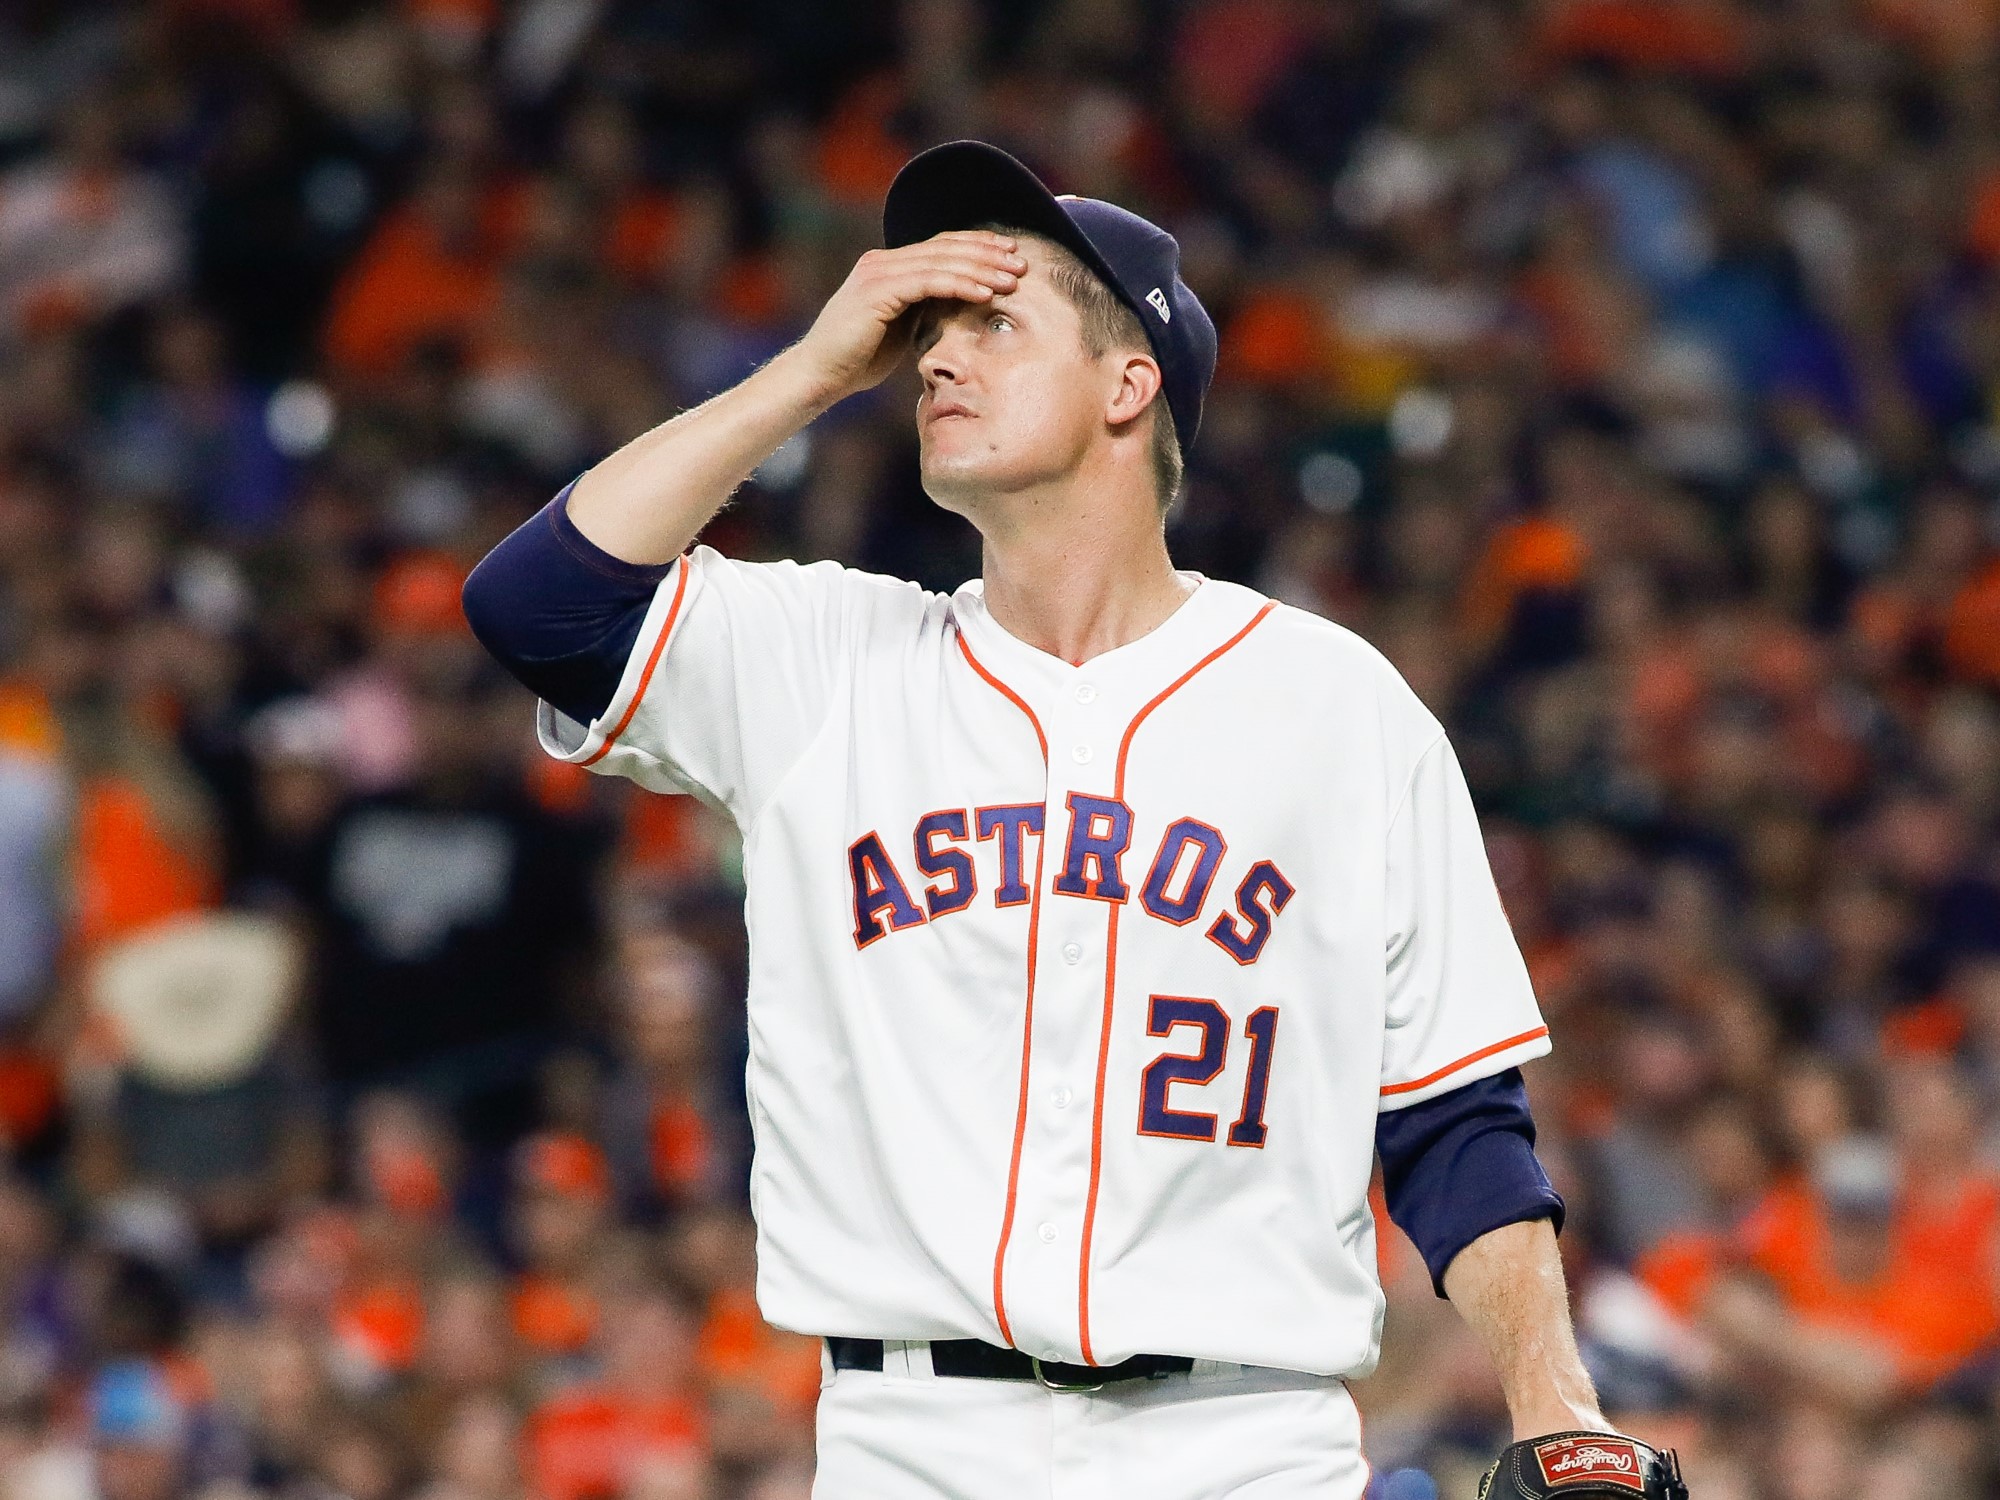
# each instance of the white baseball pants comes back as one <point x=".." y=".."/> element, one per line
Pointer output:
<point x="1258" y="1434"/>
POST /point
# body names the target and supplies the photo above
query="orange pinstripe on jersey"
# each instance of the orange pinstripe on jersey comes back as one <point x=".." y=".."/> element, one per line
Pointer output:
<point x="646" y="675"/>
<point x="1028" y="1010"/>
<point x="1464" y="1062"/>
<point x="1110" y="986"/>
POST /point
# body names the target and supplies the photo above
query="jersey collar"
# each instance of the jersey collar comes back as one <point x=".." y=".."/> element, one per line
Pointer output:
<point x="1209" y="615"/>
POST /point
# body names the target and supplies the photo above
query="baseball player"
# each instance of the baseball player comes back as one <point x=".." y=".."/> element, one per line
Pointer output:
<point x="1105" y="920"/>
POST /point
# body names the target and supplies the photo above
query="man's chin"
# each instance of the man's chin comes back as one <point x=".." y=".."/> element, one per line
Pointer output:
<point x="958" y="487"/>
<point x="969" y="484"/>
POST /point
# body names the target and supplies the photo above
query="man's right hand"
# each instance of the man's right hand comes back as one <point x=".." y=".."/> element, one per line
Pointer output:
<point x="857" y="339"/>
<point x="648" y="501"/>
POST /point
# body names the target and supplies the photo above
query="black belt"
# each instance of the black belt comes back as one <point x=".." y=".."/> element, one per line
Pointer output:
<point x="976" y="1360"/>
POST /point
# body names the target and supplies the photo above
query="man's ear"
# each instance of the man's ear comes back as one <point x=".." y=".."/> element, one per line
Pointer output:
<point x="1138" y="387"/>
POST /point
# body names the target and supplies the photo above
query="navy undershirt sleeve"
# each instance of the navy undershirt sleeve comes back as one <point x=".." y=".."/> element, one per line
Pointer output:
<point x="1461" y="1165"/>
<point x="559" y="612"/>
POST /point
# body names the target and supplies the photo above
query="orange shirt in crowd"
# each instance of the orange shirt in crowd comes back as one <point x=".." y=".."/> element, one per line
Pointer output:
<point x="406" y="287"/>
<point x="1276" y="337"/>
<point x="1932" y="1304"/>
<point x="1934" y="1028"/>
<point x="30" y="1088"/>
<point x="381" y="1323"/>
<point x="1703" y="37"/>
<point x="473" y="18"/>
<point x="30" y="1091"/>
<point x="1982" y="220"/>
<point x="682" y="1148"/>
<point x="859" y="152"/>
<point x="1972" y="629"/>
<point x="1893" y="617"/>
<point x="129" y="872"/>
<point x="1680" y="1268"/>
<point x="589" y="1442"/>
<point x="28" y="724"/>
<point x="665" y="835"/>
<point x="551" y="1318"/>
<point x="1228" y="55"/>
<point x="1587" y="313"/>
<point x="1952" y="1229"/>
<point x="564" y="789"/>
<point x="643" y="233"/>
<point x="738" y="1348"/>
<point x="1532" y="553"/>
<point x="642" y="227"/>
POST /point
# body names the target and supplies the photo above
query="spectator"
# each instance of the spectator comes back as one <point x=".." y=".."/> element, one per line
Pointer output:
<point x="670" y="1146"/>
<point x="638" y="1428"/>
<point x="207" y="1106"/>
<point x="560" y="1214"/>
<point x="82" y="234"/>
<point x="428" y="274"/>
<point x="195" y="437"/>
<point x="454" y="909"/>
<point x="141" y="1433"/>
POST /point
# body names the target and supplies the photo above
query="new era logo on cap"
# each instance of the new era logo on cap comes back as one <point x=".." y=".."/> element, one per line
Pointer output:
<point x="1157" y="300"/>
<point x="1595" y="1460"/>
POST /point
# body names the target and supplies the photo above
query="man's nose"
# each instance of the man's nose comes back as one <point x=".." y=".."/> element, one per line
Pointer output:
<point x="944" y="362"/>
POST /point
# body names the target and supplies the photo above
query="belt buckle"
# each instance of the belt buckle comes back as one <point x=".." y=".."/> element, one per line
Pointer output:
<point x="1050" y="1384"/>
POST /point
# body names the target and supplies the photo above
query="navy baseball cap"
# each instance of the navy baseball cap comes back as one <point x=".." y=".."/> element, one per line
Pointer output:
<point x="966" y="183"/>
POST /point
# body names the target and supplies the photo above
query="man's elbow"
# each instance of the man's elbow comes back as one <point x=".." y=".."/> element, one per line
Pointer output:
<point x="484" y="602"/>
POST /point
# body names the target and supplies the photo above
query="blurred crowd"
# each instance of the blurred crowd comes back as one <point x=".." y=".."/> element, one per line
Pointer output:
<point x="370" y="1087"/>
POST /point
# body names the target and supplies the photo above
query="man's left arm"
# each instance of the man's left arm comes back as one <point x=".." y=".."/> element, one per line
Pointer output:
<point x="1463" y="1182"/>
<point x="1462" y="1179"/>
<point x="1508" y="1285"/>
<point x="1457" y="1143"/>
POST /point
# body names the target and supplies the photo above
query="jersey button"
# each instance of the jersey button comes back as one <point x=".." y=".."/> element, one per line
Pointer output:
<point x="1060" y="1096"/>
<point x="1085" y="693"/>
<point x="1047" y="1233"/>
<point x="1081" y="754"/>
<point x="1072" y="953"/>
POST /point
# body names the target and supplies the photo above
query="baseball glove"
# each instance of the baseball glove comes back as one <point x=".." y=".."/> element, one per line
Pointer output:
<point x="1583" y="1466"/>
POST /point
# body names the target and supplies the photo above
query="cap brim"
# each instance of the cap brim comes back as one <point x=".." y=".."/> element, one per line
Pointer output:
<point x="962" y="184"/>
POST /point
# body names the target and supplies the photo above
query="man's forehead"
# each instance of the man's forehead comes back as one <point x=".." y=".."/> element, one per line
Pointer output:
<point x="1030" y="293"/>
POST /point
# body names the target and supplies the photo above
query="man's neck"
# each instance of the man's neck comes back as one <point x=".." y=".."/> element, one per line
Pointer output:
<point x="1078" y="580"/>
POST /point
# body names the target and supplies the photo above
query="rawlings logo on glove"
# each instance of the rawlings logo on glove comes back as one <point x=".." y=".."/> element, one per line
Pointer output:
<point x="1578" y="1465"/>
<point x="1568" y="1460"/>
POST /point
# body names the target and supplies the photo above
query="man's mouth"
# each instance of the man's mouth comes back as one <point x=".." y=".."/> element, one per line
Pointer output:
<point x="944" y="409"/>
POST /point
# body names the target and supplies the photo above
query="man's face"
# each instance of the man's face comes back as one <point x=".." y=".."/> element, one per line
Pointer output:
<point x="554" y="1231"/>
<point x="1011" y="397"/>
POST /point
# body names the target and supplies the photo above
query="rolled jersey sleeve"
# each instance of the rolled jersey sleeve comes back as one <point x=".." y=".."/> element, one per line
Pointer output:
<point x="1459" y="1006"/>
<point x="1462" y="1165"/>
<point x="559" y="612"/>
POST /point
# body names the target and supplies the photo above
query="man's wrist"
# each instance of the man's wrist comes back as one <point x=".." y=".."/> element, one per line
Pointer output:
<point x="1558" y="1399"/>
<point x="809" y="388"/>
<point x="1558" y="1416"/>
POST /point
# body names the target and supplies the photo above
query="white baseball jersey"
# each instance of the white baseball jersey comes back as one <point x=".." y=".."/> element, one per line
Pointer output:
<point x="1074" y="990"/>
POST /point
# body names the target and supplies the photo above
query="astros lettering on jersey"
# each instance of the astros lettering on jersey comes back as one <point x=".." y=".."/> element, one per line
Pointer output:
<point x="1058" y="1037"/>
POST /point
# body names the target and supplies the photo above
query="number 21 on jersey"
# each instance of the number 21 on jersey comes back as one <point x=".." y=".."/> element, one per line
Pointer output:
<point x="1157" y="1116"/>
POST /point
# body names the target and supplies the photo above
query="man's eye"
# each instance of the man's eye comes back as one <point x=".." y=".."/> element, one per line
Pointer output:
<point x="998" y="320"/>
